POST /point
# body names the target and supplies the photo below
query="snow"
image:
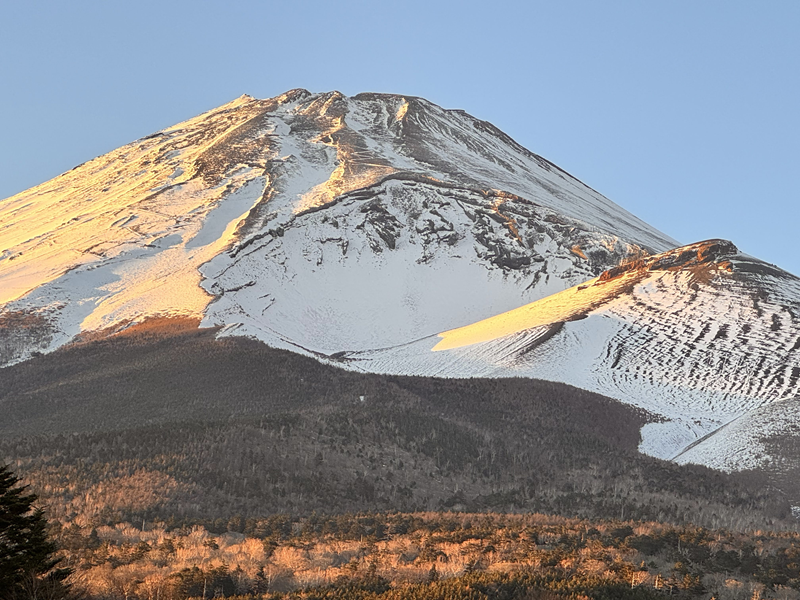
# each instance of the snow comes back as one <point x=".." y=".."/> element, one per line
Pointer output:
<point x="744" y="441"/>
<point x="564" y="306"/>
<point x="123" y="236"/>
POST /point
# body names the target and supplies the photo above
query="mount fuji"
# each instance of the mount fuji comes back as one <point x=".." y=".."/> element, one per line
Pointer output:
<point x="384" y="234"/>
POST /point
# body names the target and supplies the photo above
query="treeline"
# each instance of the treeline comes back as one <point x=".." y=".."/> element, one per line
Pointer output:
<point x="431" y="555"/>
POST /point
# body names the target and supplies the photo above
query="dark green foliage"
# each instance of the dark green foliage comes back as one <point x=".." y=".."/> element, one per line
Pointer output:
<point x="478" y="586"/>
<point x="367" y="586"/>
<point x="646" y="544"/>
<point x="26" y="554"/>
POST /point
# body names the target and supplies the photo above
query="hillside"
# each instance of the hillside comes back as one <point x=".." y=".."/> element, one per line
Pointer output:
<point x="173" y="424"/>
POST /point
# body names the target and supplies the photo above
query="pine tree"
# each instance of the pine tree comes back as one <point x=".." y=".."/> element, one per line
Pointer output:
<point x="27" y="566"/>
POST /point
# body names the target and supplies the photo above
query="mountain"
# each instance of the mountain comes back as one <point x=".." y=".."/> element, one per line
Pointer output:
<point x="309" y="221"/>
<point x="384" y="234"/>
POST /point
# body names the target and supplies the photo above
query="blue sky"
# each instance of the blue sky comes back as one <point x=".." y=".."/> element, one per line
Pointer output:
<point x="684" y="112"/>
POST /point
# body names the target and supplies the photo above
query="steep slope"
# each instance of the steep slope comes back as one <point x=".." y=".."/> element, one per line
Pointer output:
<point x="351" y="214"/>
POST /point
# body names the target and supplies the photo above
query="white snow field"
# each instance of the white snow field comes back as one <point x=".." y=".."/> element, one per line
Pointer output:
<point x="386" y="234"/>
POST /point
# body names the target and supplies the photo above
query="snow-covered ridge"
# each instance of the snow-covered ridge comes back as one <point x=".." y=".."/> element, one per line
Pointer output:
<point x="701" y="259"/>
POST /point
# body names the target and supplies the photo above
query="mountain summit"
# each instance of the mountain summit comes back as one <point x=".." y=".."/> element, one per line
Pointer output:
<point x="383" y="233"/>
<point x="360" y="216"/>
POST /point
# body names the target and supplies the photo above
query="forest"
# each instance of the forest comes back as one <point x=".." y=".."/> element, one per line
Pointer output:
<point x="167" y="460"/>
<point x="429" y="555"/>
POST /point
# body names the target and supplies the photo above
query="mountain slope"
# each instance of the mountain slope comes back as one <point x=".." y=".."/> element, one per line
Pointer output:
<point x="256" y="190"/>
<point x="370" y="232"/>
<point x="165" y="421"/>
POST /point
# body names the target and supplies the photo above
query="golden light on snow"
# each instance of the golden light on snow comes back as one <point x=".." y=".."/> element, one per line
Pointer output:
<point x="569" y="305"/>
<point x="696" y="262"/>
<point x="89" y="216"/>
<point x="169" y="282"/>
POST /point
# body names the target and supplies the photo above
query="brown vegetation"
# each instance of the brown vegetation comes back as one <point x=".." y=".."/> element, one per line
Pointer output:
<point x="22" y="331"/>
<point x="427" y="555"/>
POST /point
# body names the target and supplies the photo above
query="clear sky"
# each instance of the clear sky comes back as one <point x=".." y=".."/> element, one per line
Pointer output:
<point x="685" y="112"/>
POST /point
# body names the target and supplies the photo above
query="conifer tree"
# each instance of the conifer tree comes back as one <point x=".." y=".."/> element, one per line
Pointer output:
<point x="27" y="566"/>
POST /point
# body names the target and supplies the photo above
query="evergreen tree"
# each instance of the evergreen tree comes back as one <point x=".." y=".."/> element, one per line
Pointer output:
<point x="27" y="566"/>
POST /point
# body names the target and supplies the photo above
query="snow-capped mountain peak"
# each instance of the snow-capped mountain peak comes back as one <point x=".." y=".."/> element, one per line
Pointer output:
<point x="385" y="233"/>
<point x="163" y="226"/>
